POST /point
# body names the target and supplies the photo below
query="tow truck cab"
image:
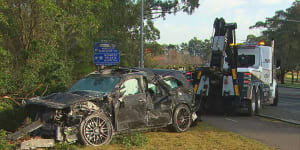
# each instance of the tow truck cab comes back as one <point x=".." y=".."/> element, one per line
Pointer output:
<point x="255" y="72"/>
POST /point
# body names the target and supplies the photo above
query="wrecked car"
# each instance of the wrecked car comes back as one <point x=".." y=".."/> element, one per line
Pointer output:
<point x="110" y="102"/>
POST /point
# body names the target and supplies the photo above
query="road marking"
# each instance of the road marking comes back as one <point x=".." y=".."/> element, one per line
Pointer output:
<point x="231" y="120"/>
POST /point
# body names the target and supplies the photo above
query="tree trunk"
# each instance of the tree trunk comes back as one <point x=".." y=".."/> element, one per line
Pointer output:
<point x="282" y="74"/>
<point x="292" y="76"/>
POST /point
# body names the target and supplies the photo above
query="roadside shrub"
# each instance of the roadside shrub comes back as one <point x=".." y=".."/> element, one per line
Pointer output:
<point x="6" y="80"/>
<point x="4" y="145"/>
<point x="64" y="146"/>
<point x="130" y="140"/>
<point x="44" y="65"/>
<point x="11" y="116"/>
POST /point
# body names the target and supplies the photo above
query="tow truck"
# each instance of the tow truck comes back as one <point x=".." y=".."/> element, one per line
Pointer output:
<point x="240" y="77"/>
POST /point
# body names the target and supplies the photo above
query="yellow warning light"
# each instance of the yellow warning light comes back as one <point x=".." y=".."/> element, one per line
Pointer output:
<point x="261" y="43"/>
<point x="236" y="44"/>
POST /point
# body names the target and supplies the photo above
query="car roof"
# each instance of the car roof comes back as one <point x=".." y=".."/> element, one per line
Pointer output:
<point x="168" y="73"/>
<point x="147" y="72"/>
<point x="118" y="72"/>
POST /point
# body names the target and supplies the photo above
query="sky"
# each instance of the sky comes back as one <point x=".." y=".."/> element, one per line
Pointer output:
<point x="182" y="27"/>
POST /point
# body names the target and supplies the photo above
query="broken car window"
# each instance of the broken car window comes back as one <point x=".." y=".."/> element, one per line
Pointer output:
<point x="99" y="84"/>
<point x="171" y="82"/>
<point x="151" y="88"/>
<point x="130" y="87"/>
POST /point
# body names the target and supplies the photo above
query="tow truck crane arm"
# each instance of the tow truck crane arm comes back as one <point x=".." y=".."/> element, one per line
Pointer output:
<point x="224" y="45"/>
<point x="219" y="80"/>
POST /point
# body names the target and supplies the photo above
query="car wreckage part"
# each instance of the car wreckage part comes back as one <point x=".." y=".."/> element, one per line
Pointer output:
<point x="37" y="143"/>
<point x="23" y="131"/>
<point x="182" y="118"/>
<point x="96" y="130"/>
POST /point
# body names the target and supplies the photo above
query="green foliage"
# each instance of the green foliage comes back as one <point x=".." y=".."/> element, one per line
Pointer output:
<point x="64" y="146"/>
<point x="3" y="142"/>
<point x="51" y="42"/>
<point x="130" y="140"/>
<point x="11" y="116"/>
<point x="159" y="8"/>
<point x="197" y="47"/>
<point x="6" y="80"/>
<point x="253" y="38"/>
<point x="285" y="32"/>
<point x="155" y="48"/>
<point x="149" y="62"/>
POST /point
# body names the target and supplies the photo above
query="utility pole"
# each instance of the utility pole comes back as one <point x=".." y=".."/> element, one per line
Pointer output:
<point x="142" y="36"/>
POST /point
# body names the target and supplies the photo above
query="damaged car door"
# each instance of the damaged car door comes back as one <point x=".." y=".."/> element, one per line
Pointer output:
<point x="177" y="90"/>
<point x="160" y="113"/>
<point x="133" y="105"/>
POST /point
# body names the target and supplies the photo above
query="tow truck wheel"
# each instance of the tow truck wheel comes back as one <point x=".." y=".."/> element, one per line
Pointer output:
<point x="182" y="118"/>
<point x="251" y="104"/>
<point x="275" y="101"/>
<point x="96" y="130"/>
<point x="258" y="100"/>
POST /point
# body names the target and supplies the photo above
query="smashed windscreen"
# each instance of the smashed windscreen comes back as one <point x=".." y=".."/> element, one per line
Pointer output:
<point x="246" y="60"/>
<point x="96" y="83"/>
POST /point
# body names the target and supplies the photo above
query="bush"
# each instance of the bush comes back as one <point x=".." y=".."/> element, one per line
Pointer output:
<point x="64" y="146"/>
<point x="6" y="80"/>
<point x="4" y="145"/>
<point x="130" y="140"/>
<point x="11" y="116"/>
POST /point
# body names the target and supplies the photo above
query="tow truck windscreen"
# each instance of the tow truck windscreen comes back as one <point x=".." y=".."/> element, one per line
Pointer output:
<point x="246" y="60"/>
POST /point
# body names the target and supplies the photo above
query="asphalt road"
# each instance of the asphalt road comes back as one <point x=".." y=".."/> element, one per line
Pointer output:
<point x="273" y="133"/>
<point x="288" y="106"/>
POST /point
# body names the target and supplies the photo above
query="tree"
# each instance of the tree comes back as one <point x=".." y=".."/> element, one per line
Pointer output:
<point x="159" y="8"/>
<point x="51" y="41"/>
<point x="286" y="35"/>
<point x="156" y="48"/>
<point x="253" y="38"/>
<point x="198" y="48"/>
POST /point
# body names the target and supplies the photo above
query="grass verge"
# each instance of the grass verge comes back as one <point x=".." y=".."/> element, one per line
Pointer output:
<point x="201" y="136"/>
<point x="288" y="81"/>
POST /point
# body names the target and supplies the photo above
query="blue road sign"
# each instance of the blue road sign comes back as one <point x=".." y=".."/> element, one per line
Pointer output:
<point x="106" y="54"/>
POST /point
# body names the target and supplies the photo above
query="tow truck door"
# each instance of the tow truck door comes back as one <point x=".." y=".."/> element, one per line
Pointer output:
<point x="266" y="64"/>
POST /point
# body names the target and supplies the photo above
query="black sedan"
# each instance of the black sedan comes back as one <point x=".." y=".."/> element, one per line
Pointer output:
<point x="112" y="101"/>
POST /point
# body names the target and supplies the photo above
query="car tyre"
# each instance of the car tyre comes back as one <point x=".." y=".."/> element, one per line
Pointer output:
<point x="182" y="118"/>
<point x="258" y="100"/>
<point x="96" y="130"/>
<point x="251" y="104"/>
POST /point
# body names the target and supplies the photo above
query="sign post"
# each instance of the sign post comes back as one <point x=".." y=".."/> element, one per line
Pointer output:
<point x="106" y="54"/>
